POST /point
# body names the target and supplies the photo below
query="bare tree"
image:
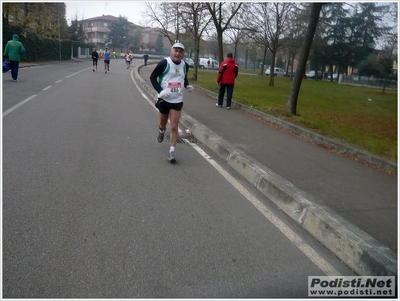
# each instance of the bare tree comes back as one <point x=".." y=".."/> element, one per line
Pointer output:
<point x="256" y="28"/>
<point x="301" y="68"/>
<point x="390" y="42"/>
<point x="294" y="38"/>
<point x="277" y="17"/>
<point x="196" y="19"/>
<point x="166" y="15"/>
<point x="222" y="14"/>
<point x="388" y="56"/>
<point x="237" y="32"/>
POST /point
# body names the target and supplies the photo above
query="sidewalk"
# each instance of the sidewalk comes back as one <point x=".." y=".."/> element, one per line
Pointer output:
<point x="349" y="206"/>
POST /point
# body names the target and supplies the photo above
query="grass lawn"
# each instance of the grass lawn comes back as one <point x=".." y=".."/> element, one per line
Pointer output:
<point x="359" y="116"/>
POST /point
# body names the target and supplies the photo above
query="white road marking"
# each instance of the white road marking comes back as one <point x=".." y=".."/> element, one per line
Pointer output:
<point x="18" y="105"/>
<point x="59" y="81"/>
<point x="307" y="250"/>
<point x="293" y="237"/>
<point x="77" y="72"/>
<point x="33" y="96"/>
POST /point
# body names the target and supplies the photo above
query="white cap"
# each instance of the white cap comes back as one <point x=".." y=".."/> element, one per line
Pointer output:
<point x="178" y="45"/>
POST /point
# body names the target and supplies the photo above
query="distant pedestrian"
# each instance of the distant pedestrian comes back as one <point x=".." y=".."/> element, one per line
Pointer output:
<point x="145" y="57"/>
<point x="227" y="73"/>
<point x="169" y="78"/>
<point x="13" y="52"/>
<point x="106" y="60"/>
<point x="95" y="58"/>
<point x="128" y="60"/>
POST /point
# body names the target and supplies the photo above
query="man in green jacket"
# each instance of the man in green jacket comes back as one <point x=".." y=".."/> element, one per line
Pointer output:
<point x="13" y="52"/>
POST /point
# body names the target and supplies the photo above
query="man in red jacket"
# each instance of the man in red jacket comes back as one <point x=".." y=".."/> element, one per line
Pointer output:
<point x="228" y="71"/>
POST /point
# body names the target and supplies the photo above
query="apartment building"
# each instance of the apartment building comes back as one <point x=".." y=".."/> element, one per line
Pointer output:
<point x="96" y="30"/>
<point x="142" y="38"/>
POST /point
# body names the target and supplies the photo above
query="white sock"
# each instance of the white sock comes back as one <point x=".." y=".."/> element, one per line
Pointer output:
<point x="171" y="148"/>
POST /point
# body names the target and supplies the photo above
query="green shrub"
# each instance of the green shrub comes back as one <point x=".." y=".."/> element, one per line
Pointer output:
<point x="41" y="49"/>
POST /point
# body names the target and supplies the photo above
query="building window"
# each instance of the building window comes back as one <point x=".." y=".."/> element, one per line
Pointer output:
<point x="105" y="24"/>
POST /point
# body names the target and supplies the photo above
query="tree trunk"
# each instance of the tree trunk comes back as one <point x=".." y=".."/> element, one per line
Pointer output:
<point x="292" y="65"/>
<point x="246" y="58"/>
<point x="196" y="58"/>
<point x="220" y="46"/>
<point x="272" y="70"/>
<point x="384" y="83"/>
<point x="301" y="68"/>
<point x="263" y="61"/>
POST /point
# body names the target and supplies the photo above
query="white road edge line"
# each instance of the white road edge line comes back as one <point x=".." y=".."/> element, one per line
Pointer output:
<point x="18" y="105"/>
<point x="307" y="250"/>
<point x="48" y="87"/>
<point x="293" y="237"/>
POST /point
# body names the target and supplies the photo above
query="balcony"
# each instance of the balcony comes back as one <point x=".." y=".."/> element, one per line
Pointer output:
<point x="97" y="29"/>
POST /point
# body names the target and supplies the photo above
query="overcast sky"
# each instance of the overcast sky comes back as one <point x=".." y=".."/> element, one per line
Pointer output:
<point x="132" y="10"/>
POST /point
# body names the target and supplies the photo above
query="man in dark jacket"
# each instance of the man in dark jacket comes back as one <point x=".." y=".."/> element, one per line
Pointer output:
<point x="95" y="57"/>
<point x="227" y="73"/>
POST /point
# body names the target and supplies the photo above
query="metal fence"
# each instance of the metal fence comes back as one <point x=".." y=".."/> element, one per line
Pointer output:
<point x="365" y="81"/>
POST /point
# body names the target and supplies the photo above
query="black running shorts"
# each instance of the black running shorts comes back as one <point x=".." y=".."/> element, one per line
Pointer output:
<point x="164" y="107"/>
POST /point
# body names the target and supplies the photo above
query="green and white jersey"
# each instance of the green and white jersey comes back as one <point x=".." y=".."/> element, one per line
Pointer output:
<point x="173" y="79"/>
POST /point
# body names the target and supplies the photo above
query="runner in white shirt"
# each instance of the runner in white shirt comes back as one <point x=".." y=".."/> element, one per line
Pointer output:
<point x="128" y="60"/>
<point x="168" y="79"/>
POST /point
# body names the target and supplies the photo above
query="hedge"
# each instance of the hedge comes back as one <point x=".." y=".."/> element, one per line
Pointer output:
<point x="41" y="49"/>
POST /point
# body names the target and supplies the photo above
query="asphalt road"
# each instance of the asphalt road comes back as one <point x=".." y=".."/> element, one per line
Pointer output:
<point x="92" y="208"/>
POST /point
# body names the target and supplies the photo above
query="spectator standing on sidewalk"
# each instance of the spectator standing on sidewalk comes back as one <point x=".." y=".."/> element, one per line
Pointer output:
<point x="169" y="78"/>
<point x="227" y="73"/>
<point x="145" y="57"/>
<point x="13" y="52"/>
<point x="95" y="58"/>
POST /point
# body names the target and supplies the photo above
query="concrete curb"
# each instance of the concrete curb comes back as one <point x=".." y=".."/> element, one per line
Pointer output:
<point x="358" y="250"/>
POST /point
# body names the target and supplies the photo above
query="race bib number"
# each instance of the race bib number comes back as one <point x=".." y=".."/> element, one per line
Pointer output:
<point x="174" y="87"/>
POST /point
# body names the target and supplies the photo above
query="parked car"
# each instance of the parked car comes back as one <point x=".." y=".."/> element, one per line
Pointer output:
<point x="203" y="63"/>
<point x="189" y="61"/>
<point x="311" y="74"/>
<point x="328" y="76"/>
<point x="277" y="72"/>
<point x="293" y="73"/>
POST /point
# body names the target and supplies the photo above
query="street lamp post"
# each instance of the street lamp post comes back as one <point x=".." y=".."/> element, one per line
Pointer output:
<point x="181" y="33"/>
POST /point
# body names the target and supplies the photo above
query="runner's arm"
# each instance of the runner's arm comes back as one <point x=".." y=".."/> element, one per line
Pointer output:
<point x="158" y="70"/>
<point x="186" y="82"/>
